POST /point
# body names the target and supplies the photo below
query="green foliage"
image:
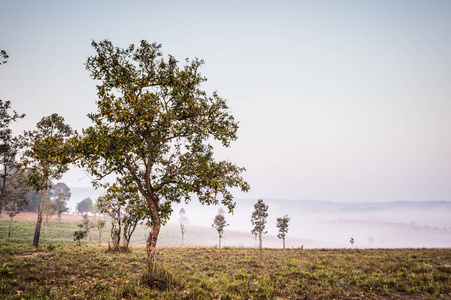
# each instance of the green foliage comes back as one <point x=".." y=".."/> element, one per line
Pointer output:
<point x="5" y="270"/>
<point x="86" y="223"/>
<point x="51" y="247"/>
<point x="84" y="227"/>
<point x="282" y="225"/>
<point x="35" y="199"/>
<point x="17" y="193"/>
<point x="49" y="209"/>
<point x="9" y="145"/>
<point x="153" y="130"/>
<point x="100" y="225"/>
<point x="45" y="156"/>
<point x="80" y="234"/>
<point x="126" y="208"/>
<point x="258" y="219"/>
<point x="60" y="194"/>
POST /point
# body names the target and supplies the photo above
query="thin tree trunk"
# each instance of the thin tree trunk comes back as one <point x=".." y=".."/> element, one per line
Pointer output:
<point x="10" y="225"/>
<point x="219" y="242"/>
<point x="2" y="192"/>
<point x="37" y="231"/>
<point x="283" y="243"/>
<point x="260" y="239"/>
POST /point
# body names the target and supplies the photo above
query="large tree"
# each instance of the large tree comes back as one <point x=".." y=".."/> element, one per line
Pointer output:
<point x="45" y="158"/>
<point x="153" y="129"/>
<point x="8" y="146"/>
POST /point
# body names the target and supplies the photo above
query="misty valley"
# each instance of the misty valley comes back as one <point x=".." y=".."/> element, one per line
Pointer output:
<point x="316" y="224"/>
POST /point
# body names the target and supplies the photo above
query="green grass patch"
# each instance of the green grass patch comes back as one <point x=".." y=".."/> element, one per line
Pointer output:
<point x="57" y="233"/>
<point x="23" y="232"/>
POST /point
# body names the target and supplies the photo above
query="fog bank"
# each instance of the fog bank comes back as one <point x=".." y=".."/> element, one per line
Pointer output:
<point x="316" y="224"/>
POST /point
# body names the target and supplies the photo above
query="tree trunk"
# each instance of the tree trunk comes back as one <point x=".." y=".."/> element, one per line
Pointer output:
<point x="219" y="242"/>
<point x="37" y="231"/>
<point x="116" y="235"/>
<point x="152" y="240"/>
<point x="260" y="240"/>
<point x="283" y="243"/>
<point x="151" y="245"/>
<point x="2" y="192"/>
<point x="10" y="225"/>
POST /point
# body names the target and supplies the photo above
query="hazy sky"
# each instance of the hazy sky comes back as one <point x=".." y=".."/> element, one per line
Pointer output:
<point x="337" y="100"/>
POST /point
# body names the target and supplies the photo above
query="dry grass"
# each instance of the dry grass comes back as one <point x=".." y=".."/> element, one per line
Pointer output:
<point x="32" y="216"/>
<point x="61" y="270"/>
<point x="89" y="272"/>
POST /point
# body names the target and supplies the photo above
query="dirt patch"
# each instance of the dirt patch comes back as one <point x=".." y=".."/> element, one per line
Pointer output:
<point x="43" y="255"/>
<point x="32" y="216"/>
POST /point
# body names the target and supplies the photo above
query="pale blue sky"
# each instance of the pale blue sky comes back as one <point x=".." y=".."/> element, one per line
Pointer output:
<point x="337" y="100"/>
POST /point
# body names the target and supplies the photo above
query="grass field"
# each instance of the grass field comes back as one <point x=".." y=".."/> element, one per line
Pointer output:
<point x="61" y="270"/>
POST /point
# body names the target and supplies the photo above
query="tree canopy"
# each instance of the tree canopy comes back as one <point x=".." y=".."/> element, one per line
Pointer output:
<point x="153" y="129"/>
<point x="3" y="57"/>
<point x="60" y="194"/>
<point x="126" y="208"/>
<point x="85" y="205"/>
<point x="8" y="146"/>
<point x="219" y="223"/>
<point x="282" y="225"/>
<point x="16" y="195"/>
<point x="45" y="158"/>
